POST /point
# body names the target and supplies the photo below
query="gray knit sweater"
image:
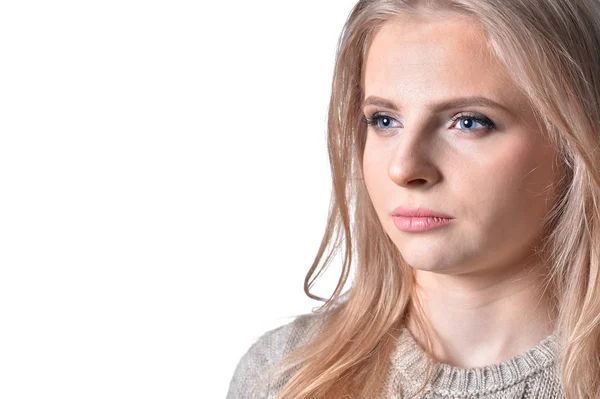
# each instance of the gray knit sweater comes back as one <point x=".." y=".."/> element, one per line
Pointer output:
<point x="529" y="375"/>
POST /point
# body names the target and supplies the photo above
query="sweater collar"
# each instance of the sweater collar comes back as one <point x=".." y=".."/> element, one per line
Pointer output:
<point x="410" y="361"/>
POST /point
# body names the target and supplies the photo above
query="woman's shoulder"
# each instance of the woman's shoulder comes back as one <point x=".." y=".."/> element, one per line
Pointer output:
<point x="253" y="377"/>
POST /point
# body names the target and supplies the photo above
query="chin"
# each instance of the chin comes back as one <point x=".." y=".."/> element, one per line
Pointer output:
<point x="420" y="264"/>
<point x="427" y="268"/>
<point x="426" y="264"/>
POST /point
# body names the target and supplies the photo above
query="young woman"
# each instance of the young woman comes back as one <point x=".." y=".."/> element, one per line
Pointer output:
<point x="464" y="144"/>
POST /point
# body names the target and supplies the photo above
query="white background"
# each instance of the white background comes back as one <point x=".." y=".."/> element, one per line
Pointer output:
<point x="164" y="187"/>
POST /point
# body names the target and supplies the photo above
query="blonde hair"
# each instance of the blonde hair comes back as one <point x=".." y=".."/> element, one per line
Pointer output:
<point x="551" y="49"/>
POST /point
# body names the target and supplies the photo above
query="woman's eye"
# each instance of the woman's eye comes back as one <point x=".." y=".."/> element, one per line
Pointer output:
<point x="470" y="122"/>
<point x="381" y="121"/>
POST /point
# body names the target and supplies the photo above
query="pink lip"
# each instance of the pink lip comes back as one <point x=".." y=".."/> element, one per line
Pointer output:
<point x="419" y="219"/>
<point x="419" y="212"/>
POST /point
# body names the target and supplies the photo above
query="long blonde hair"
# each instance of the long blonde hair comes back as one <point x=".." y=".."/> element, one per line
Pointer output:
<point x="551" y="49"/>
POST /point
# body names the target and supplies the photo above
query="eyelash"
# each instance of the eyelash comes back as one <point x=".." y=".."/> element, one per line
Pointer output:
<point x="487" y="123"/>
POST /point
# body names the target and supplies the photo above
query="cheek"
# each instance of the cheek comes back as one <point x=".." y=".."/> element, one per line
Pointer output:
<point x="374" y="173"/>
<point x="370" y="173"/>
<point x="511" y="187"/>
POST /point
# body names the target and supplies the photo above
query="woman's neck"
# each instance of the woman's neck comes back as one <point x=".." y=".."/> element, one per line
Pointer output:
<point x="480" y="321"/>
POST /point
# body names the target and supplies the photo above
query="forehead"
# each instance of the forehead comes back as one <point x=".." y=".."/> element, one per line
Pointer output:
<point x="431" y="57"/>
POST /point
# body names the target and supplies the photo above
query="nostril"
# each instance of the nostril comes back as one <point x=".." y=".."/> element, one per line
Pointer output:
<point x="417" y="182"/>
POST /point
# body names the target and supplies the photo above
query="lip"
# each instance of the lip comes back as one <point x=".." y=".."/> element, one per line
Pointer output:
<point x="419" y="219"/>
<point x="419" y="223"/>
<point x="419" y="213"/>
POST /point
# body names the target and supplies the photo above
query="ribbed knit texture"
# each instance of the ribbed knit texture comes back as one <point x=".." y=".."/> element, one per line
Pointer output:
<point x="528" y="375"/>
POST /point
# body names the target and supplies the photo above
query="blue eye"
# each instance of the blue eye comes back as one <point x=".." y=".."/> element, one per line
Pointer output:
<point x="380" y="121"/>
<point x="468" y="121"/>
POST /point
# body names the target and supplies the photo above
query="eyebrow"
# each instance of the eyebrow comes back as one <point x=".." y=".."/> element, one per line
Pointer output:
<point x="441" y="106"/>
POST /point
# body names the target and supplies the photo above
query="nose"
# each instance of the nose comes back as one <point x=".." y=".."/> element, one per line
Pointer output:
<point x="413" y="162"/>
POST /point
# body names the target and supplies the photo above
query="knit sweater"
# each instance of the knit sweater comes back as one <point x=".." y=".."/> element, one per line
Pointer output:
<point x="529" y="375"/>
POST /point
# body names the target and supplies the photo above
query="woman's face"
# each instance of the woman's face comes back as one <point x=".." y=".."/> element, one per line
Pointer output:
<point x="495" y="182"/>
